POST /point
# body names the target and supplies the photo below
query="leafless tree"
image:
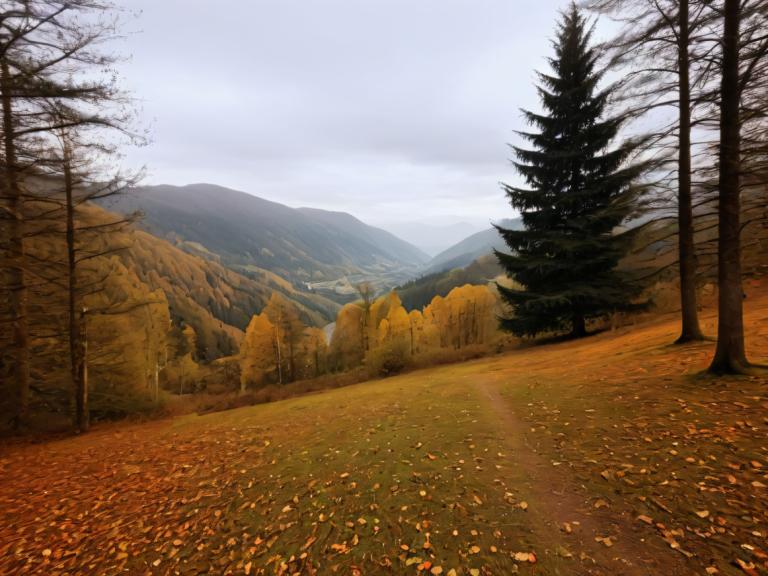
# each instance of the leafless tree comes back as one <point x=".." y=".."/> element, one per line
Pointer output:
<point x="742" y="57"/>
<point x="660" y="46"/>
<point x="55" y="81"/>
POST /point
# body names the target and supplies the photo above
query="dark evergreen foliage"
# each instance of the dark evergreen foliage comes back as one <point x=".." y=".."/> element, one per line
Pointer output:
<point x="580" y="190"/>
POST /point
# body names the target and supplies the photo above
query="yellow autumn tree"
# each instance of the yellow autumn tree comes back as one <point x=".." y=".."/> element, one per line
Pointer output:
<point x="127" y="335"/>
<point x="416" y="331"/>
<point x="313" y="358"/>
<point x="346" y="349"/>
<point x="392" y="349"/>
<point x="289" y="331"/>
<point x="466" y="316"/>
<point x="438" y="320"/>
<point x="257" y="353"/>
<point x="379" y="311"/>
<point x="183" y="370"/>
<point x="399" y="322"/>
<point x="395" y="338"/>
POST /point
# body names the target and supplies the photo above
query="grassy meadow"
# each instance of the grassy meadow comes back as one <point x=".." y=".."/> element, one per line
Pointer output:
<point x="610" y="455"/>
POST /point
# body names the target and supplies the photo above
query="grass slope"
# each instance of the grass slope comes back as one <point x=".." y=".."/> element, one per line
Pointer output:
<point x="611" y="455"/>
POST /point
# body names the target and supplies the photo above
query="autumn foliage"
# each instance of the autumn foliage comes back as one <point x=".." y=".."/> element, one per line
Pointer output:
<point x="380" y="335"/>
<point x="387" y="338"/>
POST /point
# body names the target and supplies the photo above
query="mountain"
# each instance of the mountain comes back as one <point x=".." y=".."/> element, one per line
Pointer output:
<point x="248" y="233"/>
<point x="432" y="238"/>
<point x="397" y="249"/>
<point x="216" y="301"/>
<point x="471" y="248"/>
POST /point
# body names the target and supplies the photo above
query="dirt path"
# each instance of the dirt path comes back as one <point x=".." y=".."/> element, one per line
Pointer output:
<point x="566" y="519"/>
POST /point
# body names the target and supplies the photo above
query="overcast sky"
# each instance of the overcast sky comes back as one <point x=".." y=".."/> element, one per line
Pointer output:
<point x="393" y="110"/>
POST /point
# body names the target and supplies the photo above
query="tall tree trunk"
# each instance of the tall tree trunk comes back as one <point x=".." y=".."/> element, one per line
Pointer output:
<point x="76" y="343"/>
<point x="691" y="330"/>
<point x="291" y="357"/>
<point x="730" y="356"/>
<point x="16" y="255"/>
<point x="579" y="326"/>
<point x="277" y="343"/>
<point x="85" y="423"/>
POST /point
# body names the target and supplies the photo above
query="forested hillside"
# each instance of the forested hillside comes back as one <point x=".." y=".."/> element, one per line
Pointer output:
<point x="215" y="300"/>
<point x="419" y="292"/>
<point x="154" y="312"/>
<point x="471" y="248"/>
<point x="246" y="233"/>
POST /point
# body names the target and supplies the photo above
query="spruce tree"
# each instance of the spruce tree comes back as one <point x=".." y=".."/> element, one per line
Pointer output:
<point x="580" y="186"/>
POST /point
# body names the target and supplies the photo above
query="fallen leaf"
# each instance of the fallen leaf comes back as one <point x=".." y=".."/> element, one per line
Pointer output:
<point x="747" y="567"/>
<point x="524" y="557"/>
<point x="607" y="541"/>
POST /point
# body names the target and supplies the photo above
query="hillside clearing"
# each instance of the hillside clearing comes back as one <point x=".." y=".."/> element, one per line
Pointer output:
<point x="610" y="455"/>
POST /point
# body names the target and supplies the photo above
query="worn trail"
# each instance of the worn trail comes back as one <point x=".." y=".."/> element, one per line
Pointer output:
<point x="567" y="519"/>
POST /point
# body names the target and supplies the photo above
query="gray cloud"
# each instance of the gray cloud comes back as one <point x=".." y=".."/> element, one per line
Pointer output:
<point x="389" y="109"/>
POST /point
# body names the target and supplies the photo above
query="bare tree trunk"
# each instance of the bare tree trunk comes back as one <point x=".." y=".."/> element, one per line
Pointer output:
<point x="85" y="418"/>
<point x="579" y="326"/>
<point x="691" y="330"/>
<point x="279" y="352"/>
<point x="291" y="358"/>
<point x="366" y="293"/>
<point x="76" y="335"/>
<point x="730" y="356"/>
<point x="17" y="257"/>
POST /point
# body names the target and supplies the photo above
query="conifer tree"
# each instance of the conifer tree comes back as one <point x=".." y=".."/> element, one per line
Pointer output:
<point x="579" y="190"/>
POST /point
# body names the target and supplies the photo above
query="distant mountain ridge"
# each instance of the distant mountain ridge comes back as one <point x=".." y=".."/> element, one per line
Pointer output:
<point x="471" y="248"/>
<point x="243" y="232"/>
<point x="430" y="237"/>
<point x="396" y="248"/>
